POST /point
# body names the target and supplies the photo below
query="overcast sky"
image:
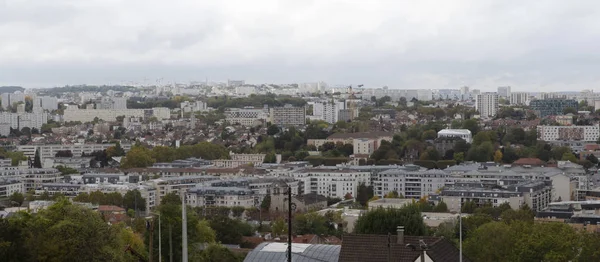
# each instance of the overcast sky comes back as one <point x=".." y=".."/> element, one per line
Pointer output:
<point x="529" y="45"/>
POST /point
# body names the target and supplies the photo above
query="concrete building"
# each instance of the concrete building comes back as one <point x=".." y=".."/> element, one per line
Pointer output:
<point x="487" y="104"/>
<point x="552" y="107"/>
<point x="49" y="151"/>
<point x="536" y="194"/>
<point x="349" y="138"/>
<point x="48" y="103"/>
<point x="205" y="196"/>
<point x="21" y="120"/>
<point x="240" y="160"/>
<point x="564" y="120"/>
<point x="9" y="99"/>
<point x="288" y="115"/>
<point x="411" y="182"/>
<point x="247" y="116"/>
<point x="568" y="133"/>
<point x="363" y="146"/>
<point x="504" y="91"/>
<point x="460" y="133"/>
<point x="331" y="182"/>
<point x="72" y="114"/>
<point x="519" y="98"/>
<point x="33" y="178"/>
<point x="9" y="186"/>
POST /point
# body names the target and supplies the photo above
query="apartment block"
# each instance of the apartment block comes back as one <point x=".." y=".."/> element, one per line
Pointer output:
<point x="206" y="196"/>
<point x="288" y="115"/>
<point x="569" y="133"/>
<point x="331" y="183"/>
<point x="552" y="107"/>
<point x="519" y="98"/>
<point x="487" y="104"/>
<point x="247" y="116"/>
<point x="49" y="151"/>
<point x="72" y="114"/>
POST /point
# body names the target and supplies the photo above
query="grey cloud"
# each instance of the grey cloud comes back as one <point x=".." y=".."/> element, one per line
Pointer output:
<point x="421" y="44"/>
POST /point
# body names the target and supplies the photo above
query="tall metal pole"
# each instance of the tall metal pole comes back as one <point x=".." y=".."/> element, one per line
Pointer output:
<point x="289" y="251"/>
<point x="159" y="241"/>
<point x="170" y="243"/>
<point x="460" y="231"/>
<point x="184" y="240"/>
<point x="151" y="240"/>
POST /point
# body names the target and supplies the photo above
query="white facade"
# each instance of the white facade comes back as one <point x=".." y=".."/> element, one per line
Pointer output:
<point x="462" y="133"/>
<point x="568" y="133"/>
<point x="49" y="151"/>
<point x="487" y="104"/>
<point x="332" y="183"/>
<point x="519" y="98"/>
<point x="48" y="103"/>
<point x="363" y="146"/>
<point x="411" y="184"/>
<point x="21" y="120"/>
<point x="10" y="186"/>
<point x="88" y="115"/>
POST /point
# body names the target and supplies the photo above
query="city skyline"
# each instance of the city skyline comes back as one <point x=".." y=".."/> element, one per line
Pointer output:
<point x="427" y="45"/>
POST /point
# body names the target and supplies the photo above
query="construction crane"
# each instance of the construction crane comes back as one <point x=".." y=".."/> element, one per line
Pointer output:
<point x="136" y="254"/>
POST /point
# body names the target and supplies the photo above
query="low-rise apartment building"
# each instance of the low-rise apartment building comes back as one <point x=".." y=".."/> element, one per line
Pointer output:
<point x="50" y="150"/>
<point x="207" y="196"/>
<point x="334" y="183"/>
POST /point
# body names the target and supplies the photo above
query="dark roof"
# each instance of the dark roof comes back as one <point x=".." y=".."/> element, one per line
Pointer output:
<point x="376" y="134"/>
<point x="311" y="198"/>
<point x="374" y="248"/>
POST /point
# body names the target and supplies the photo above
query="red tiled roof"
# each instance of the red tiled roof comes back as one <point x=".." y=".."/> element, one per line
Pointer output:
<point x="529" y="161"/>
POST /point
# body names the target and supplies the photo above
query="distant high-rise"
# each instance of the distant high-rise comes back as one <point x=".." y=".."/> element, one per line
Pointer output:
<point x="504" y="91"/>
<point x="519" y="98"/>
<point x="464" y="90"/>
<point x="235" y="83"/>
<point x="487" y="104"/>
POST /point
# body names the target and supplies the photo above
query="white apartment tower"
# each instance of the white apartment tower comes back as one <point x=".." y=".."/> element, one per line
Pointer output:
<point x="519" y="98"/>
<point x="487" y="104"/>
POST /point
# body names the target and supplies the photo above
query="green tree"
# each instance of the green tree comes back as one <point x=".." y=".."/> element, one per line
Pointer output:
<point x="383" y="221"/>
<point x="472" y="125"/>
<point x="133" y="199"/>
<point x="138" y="156"/>
<point x="459" y="157"/>
<point x="37" y="161"/>
<point x="266" y="202"/>
<point x="468" y="207"/>
<point x="568" y="156"/>
<point x="65" y="231"/>
<point x="272" y="130"/>
<point x="440" y="207"/>
<point x="217" y="253"/>
<point x="279" y="227"/>
<point x="309" y="223"/>
<point x="17" y="197"/>
<point x="429" y="135"/>
<point x="364" y="193"/>
<point x="570" y="110"/>
<point x="270" y="158"/>
<point x="498" y="156"/>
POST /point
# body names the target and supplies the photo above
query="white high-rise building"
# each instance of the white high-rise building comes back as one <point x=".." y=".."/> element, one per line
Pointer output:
<point x="487" y="104"/>
<point x="519" y="98"/>
<point x="504" y="91"/>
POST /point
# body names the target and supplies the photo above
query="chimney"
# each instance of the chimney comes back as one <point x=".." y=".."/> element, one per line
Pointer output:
<point x="400" y="231"/>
